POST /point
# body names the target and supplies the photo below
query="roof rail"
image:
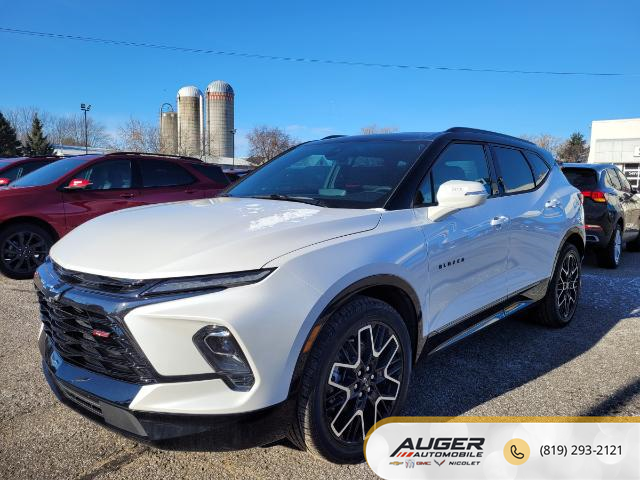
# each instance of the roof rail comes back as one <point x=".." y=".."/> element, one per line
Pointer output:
<point x="332" y="136"/>
<point x="149" y="154"/>
<point x="487" y="132"/>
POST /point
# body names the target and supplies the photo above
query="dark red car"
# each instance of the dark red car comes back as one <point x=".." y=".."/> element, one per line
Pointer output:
<point x="12" y="169"/>
<point x="39" y="208"/>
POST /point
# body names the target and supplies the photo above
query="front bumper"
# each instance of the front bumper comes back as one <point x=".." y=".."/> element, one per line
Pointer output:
<point x="106" y="401"/>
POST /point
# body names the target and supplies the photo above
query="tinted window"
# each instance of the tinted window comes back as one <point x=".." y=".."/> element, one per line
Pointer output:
<point x="344" y="174"/>
<point x="538" y="166"/>
<point x="213" y="172"/>
<point x="514" y="170"/>
<point x="157" y="173"/>
<point x="31" y="166"/>
<point x="611" y="180"/>
<point x="626" y="186"/>
<point x="12" y="173"/>
<point x="52" y="172"/>
<point x="459" y="161"/>
<point x="581" y="178"/>
<point x="109" y="175"/>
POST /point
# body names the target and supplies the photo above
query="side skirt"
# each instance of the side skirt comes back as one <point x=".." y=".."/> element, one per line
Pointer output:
<point x="466" y="326"/>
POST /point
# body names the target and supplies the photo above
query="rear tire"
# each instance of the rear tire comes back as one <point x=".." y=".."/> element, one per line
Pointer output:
<point x="609" y="256"/>
<point x="346" y="378"/>
<point x="23" y="248"/>
<point x="558" y="307"/>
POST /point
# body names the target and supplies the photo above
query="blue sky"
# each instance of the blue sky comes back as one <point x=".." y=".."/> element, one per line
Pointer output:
<point x="311" y="100"/>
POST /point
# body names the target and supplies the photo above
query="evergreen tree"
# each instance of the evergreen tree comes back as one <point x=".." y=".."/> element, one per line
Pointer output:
<point x="9" y="144"/>
<point x="37" y="142"/>
<point x="576" y="149"/>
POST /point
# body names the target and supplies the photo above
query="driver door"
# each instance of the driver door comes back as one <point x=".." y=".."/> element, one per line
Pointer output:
<point x="468" y="249"/>
<point x="110" y="190"/>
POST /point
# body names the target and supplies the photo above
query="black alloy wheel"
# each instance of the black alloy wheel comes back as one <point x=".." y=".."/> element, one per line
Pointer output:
<point x="23" y="248"/>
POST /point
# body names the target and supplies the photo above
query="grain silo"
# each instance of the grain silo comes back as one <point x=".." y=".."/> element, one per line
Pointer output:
<point x="190" y="122"/>
<point x="220" y="129"/>
<point x="168" y="130"/>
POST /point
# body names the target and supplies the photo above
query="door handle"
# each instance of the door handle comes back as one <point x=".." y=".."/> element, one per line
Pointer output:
<point x="499" y="221"/>
<point x="126" y="195"/>
<point x="553" y="203"/>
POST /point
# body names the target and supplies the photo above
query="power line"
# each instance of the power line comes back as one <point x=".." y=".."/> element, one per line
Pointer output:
<point x="230" y="53"/>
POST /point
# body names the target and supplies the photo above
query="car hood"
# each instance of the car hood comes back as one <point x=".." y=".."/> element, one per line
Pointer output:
<point x="202" y="237"/>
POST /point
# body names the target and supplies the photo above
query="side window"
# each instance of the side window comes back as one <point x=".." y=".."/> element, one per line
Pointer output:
<point x="212" y="172"/>
<point x="158" y="173"/>
<point x="12" y="173"/>
<point x="459" y="161"/>
<point x="514" y="170"/>
<point x="626" y="186"/>
<point x="538" y="166"/>
<point x="109" y="175"/>
<point x="30" y="167"/>
<point x="611" y="180"/>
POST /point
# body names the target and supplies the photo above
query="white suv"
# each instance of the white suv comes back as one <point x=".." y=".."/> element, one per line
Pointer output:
<point x="296" y="304"/>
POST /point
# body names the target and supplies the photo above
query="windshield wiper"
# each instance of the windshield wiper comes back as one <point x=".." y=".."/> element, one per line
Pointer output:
<point x="287" y="198"/>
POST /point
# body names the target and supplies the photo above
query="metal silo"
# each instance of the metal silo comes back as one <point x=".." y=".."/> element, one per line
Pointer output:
<point x="168" y="130"/>
<point x="220" y="129"/>
<point x="190" y="122"/>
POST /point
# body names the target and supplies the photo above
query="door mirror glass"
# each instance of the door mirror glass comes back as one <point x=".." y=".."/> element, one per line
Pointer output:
<point x="456" y="195"/>
<point x="78" y="184"/>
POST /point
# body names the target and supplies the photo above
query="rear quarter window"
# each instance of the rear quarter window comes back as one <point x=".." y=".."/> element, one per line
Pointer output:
<point x="212" y="172"/>
<point x="581" y="178"/>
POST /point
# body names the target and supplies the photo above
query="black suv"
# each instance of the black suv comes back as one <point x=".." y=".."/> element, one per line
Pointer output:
<point x="611" y="209"/>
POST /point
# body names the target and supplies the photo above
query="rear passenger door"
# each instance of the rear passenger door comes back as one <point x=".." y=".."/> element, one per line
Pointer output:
<point x="165" y="181"/>
<point x="535" y="216"/>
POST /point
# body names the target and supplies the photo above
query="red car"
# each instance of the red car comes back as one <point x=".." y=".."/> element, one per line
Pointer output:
<point x="39" y="208"/>
<point x="12" y="169"/>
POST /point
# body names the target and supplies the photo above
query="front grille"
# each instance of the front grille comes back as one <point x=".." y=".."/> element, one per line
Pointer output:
<point x="81" y="400"/>
<point x="71" y="331"/>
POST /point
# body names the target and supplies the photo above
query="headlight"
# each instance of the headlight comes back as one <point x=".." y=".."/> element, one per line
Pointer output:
<point x="221" y="350"/>
<point x="207" y="282"/>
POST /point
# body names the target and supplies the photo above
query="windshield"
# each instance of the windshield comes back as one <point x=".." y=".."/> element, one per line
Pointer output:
<point x="52" y="172"/>
<point x="334" y="174"/>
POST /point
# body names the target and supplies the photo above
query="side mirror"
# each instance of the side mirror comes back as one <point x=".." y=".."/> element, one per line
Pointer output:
<point x="78" y="184"/>
<point x="455" y="195"/>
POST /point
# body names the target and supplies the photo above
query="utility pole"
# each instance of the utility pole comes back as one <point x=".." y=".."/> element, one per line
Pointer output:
<point x="85" y="108"/>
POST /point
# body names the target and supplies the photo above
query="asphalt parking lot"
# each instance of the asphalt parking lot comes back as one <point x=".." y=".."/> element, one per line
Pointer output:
<point x="591" y="367"/>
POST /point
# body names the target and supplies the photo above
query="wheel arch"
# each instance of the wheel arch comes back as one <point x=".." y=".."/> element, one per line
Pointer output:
<point x="388" y="288"/>
<point x="576" y="237"/>
<point x="33" y="220"/>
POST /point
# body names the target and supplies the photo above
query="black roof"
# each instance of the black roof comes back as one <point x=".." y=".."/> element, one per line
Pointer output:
<point x="465" y="132"/>
<point x="590" y="166"/>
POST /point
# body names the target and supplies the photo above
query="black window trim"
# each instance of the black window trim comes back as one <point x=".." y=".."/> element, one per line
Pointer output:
<point x="544" y="179"/>
<point x="522" y="151"/>
<point x="490" y="168"/>
<point x="139" y="181"/>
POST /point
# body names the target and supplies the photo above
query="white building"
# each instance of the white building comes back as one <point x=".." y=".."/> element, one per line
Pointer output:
<point x="617" y="142"/>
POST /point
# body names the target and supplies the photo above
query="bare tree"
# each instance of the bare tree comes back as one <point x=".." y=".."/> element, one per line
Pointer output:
<point x="138" y="136"/>
<point x="373" y="128"/>
<point x="61" y="130"/>
<point x="267" y="142"/>
<point x="545" y="140"/>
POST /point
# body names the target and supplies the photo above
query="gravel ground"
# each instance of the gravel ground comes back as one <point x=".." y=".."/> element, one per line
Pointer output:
<point x="591" y="367"/>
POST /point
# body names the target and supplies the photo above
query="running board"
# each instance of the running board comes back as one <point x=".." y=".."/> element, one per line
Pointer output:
<point x="500" y="315"/>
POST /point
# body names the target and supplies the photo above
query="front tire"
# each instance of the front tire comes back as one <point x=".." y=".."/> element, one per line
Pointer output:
<point x="558" y="307"/>
<point x="357" y="373"/>
<point x="23" y="248"/>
